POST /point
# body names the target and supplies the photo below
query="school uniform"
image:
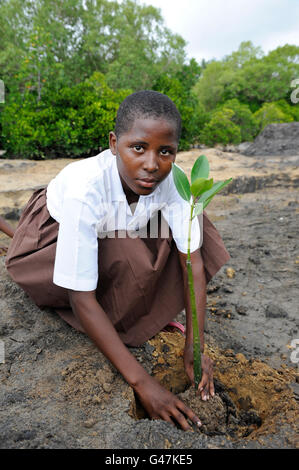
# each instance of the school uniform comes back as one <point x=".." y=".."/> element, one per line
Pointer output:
<point x="80" y="233"/>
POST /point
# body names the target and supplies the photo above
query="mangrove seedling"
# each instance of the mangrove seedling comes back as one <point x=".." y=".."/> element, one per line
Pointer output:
<point x="198" y="194"/>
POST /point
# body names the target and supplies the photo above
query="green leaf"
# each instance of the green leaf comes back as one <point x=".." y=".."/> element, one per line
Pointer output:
<point x="206" y="202"/>
<point x="206" y="197"/>
<point x="201" y="185"/>
<point x="181" y="182"/>
<point x="200" y="169"/>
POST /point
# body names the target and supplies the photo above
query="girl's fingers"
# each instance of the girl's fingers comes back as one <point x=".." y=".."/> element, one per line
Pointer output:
<point x="211" y="384"/>
<point x="167" y="418"/>
<point x="180" y="418"/>
<point x="212" y="388"/>
<point x="189" y="413"/>
<point x="206" y="386"/>
<point x="202" y="387"/>
<point x="205" y="395"/>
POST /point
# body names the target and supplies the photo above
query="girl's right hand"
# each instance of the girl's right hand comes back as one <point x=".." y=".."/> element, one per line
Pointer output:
<point x="162" y="404"/>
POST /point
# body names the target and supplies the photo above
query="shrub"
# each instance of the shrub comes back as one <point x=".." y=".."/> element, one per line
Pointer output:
<point x="242" y="117"/>
<point x="290" y="110"/>
<point x="271" y="113"/>
<point x="68" y="122"/>
<point x="221" y="129"/>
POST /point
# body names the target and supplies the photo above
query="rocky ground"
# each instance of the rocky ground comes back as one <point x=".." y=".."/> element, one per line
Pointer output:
<point x="58" y="390"/>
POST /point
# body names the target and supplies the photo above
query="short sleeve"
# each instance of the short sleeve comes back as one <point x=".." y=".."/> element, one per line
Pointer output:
<point x="177" y="214"/>
<point x="76" y="260"/>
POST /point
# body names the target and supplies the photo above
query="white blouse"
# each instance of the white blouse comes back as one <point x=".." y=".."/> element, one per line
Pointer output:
<point x="87" y="200"/>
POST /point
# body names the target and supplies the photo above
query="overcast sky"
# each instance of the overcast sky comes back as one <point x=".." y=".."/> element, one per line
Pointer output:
<point x="215" y="28"/>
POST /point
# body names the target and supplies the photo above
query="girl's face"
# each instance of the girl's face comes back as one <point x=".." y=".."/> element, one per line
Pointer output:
<point x="144" y="154"/>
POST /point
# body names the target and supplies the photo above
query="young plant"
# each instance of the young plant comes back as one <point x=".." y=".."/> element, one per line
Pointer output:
<point x="199" y="194"/>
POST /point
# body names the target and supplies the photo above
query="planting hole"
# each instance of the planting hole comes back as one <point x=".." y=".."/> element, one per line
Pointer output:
<point x="251" y="399"/>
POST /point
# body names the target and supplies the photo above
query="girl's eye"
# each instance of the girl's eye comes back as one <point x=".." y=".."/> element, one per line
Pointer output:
<point x="165" y="152"/>
<point x="138" y="148"/>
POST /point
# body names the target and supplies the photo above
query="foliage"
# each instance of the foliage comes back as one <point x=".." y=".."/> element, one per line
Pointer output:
<point x="249" y="76"/>
<point x="126" y="41"/>
<point x="221" y="129"/>
<point x="179" y="89"/>
<point x="73" y="121"/>
<point x="290" y="110"/>
<point x="51" y="48"/>
<point x="271" y="113"/>
<point x="242" y="117"/>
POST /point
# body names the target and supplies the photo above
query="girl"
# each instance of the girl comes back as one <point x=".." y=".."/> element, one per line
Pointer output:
<point x="95" y="256"/>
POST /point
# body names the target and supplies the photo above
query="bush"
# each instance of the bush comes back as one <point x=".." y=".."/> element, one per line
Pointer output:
<point x="69" y="122"/>
<point x="290" y="110"/>
<point x="244" y="118"/>
<point x="271" y="113"/>
<point x="221" y="129"/>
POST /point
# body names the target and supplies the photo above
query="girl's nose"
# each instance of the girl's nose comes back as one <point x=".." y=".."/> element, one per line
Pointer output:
<point x="150" y="162"/>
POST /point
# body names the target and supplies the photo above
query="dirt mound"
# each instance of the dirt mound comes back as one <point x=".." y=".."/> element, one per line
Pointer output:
<point x="252" y="400"/>
<point x="276" y="139"/>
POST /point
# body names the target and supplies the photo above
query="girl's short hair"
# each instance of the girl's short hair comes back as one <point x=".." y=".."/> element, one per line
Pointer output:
<point x="146" y="104"/>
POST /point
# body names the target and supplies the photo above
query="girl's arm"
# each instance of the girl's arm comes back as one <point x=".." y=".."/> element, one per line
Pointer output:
<point x="6" y="228"/>
<point x="158" y="402"/>
<point x="199" y="277"/>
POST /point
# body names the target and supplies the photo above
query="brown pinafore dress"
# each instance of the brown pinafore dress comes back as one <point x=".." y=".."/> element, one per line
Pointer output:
<point x="140" y="283"/>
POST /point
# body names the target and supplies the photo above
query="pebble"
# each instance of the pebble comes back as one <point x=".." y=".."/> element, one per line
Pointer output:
<point x="241" y="358"/>
<point x="254" y="259"/>
<point x="274" y="311"/>
<point x="241" y="310"/>
<point x="107" y="387"/>
<point x="230" y="272"/>
<point x="89" y="423"/>
<point x="96" y="399"/>
<point x="227" y="290"/>
<point x="229" y="353"/>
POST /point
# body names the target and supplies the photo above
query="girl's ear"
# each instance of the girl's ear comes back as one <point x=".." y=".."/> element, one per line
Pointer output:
<point x="112" y="142"/>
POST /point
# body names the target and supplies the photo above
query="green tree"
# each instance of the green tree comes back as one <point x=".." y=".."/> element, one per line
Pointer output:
<point x="210" y="87"/>
<point x="290" y="110"/>
<point x="246" y="52"/>
<point x="249" y="76"/>
<point x="242" y="117"/>
<point x="73" y="121"/>
<point x="271" y="113"/>
<point x="221" y="129"/>
<point x="129" y="42"/>
<point x="179" y="89"/>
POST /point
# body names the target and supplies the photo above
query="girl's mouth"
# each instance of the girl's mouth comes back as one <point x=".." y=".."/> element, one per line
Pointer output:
<point x="147" y="182"/>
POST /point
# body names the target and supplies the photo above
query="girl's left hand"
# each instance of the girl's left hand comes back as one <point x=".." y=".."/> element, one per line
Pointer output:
<point x="206" y="386"/>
